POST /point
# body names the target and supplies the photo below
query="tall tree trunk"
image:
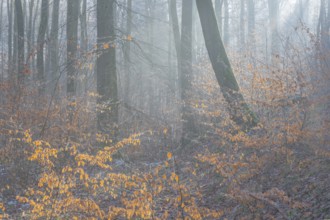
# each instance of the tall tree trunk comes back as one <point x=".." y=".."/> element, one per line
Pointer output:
<point x="72" y="44"/>
<point x="251" y="26"/>
<point x="15" y="40"/>
<point x="20" y="39"/>
<point x="83" y="26"/>
<point x="29" y="32"/>
<point x="10" y="35"/>
<point x="84" y="41"/>
<point x="273" y="6"/>
<point x="176" y="29"/>
<point x="1" y="39"/>
<point x="188" y="128"/>
<point x="107" y="114"/>
<point x="54" y="59"/>
<point x="226" y="24"/>
<point x="34" y="24"/>
<point x="242" y="25"/>
<point x="218" y="12"/>
<point x="238" y="109"/>
<point x="127" y="51"/>
<point x="41" y="42"/>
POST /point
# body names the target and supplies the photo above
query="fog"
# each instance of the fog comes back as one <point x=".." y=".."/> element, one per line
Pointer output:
<point x="164" y="109"/>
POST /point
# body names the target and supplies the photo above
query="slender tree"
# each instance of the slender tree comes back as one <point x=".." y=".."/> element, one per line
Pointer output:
<point x="127" y="50"/>
<point x="72" y="45"/>
<point x="107" y="114"/>
<point x="273" y="6"/>
<point x="251" y="25"/>
<point x="54" y="59"/>
<point x="186" y="70"/>
<point x="239" y="111"/>
<point x="83" y="26"/>
<point x="41" y="42"/>
<point x="20" y="38"/>
<point x="29" y="31"/>
<point x="242" y="24"/>
<point x="10" y="35"/>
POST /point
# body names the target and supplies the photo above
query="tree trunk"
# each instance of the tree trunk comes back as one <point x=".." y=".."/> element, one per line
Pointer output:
<point x="84" y="43"/>
<point x="251" y="26"/>
<point x="188" y="127"/>
<point x="226" y="24"/>
<point x="10" y="36"/>
<point x="273" y="6"/>
<point x="176" y="29"/>
<point x="218" y="12"/>
<point x="72" y="44"/>
<point x="127" y="51"/>
<point x="54" y="59"/>
<point x="20" y="39"/>
<point x="41" y="42"/>
<point x="107" y="114"/>
<point x="242" y="25"/>
<point x="238" y="109"/>
<point x="83" y="27"/>
<point x="29" y="32"/>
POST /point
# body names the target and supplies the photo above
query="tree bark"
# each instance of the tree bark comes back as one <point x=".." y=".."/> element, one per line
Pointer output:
<point x="107" y="114"/>
<point x="238" y="109"/>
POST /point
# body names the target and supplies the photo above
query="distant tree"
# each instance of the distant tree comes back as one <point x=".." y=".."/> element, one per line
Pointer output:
<point x="107" y="114"/>
<point x="41" y="42"/>
<point x="54" y="59"/>
<point x="20" y="39"/>
<point x="30" y="30"/>
<point x="83" y="26"/>
<point x="188" y="126"/>
<point x="72" y="45"/>
<point x="242" y="25"/>
<point x="273" y="6"/>
<point x="10" y="35"/>
<point x="127" y="50"/>
<point x="238" y="109"/>
<point x="323" y="35"/>
<point x="251" y="25"/>
<point x="176" y="29"/>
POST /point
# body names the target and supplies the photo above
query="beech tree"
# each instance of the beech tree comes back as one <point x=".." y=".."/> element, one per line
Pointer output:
<point x="20" y="38"/>
<point x="107" y="114"/>
<point x="72" y="44"/>
<point x="54" y="59"/>
<point x="41" y="42"/>
<point x="239" y="111"/>
<point x="186" y="70"/>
